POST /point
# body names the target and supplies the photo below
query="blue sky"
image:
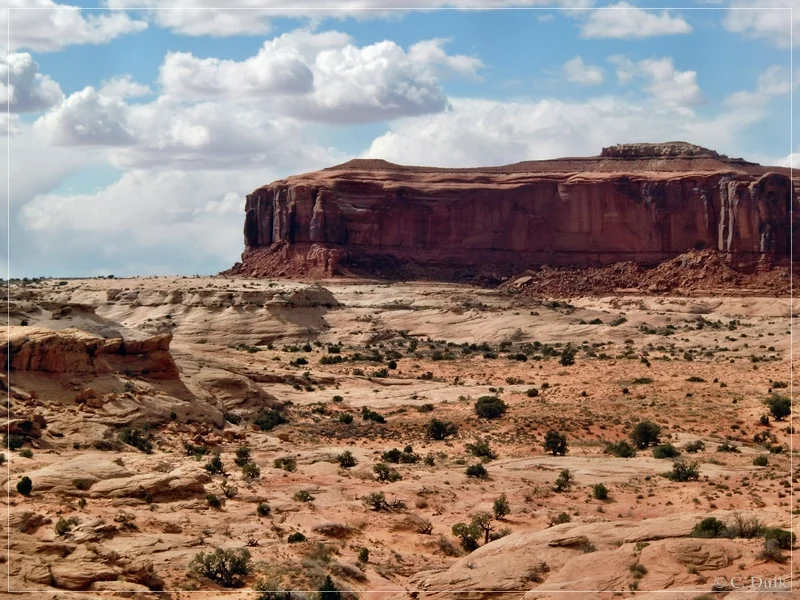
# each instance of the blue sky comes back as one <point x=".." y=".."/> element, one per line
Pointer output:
<point x="135" y="135"/>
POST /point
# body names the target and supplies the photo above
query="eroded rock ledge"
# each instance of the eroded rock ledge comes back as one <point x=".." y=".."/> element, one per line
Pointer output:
<point x="644" y="203"/>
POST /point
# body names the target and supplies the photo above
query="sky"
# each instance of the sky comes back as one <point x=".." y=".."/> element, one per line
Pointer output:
<point x="135" y="128"/>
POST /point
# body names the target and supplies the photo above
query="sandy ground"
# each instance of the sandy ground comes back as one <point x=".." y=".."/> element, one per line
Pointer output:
<point x="699" y="367"/>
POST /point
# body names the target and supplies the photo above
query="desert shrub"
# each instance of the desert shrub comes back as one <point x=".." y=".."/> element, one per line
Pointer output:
<point x="618" y="321"/>
<point x="225" y="567"/>
<point x="441" y="430"/>
<point x="268" y="419"/>
<point x="477" y="470"/>
<point x="251" y="471"/>
<point x="727" y="447"/>
<point x="363" y="555"/>
<point x="501" y="507"/>
<point x="567" y="356"/>
<point x="213" y="500"/>
<point x="710" y="527"/>
<point x="299" y="361"/>
<point x="376" y="501"/>
<point x="136" y="438"/>
<point x="560" y="519"/>
<point x="695" y="379"/>
<point x="761" y="460"/>
<point x="490" y="407"/>
<point x="763" y="420"/>
<point x="621" y="449"/>
<point x="638" y="570"/>
<point x="666" y="451"/>
<point x="779" y="406"/>
<point x="303" y="496"/>
<point x="642" y="380"/>
<point x="644" y="434"/>
<point x="64" y="526"/>
<point x="328" y="590"/>
<point x="26" y="453"/>
<point x="386" y="473"/>
<point x="785" y="539"/>
<point x="481" y="449"/>
<point x="346" y="418"/>
<point x="694" y="447"/>
<point x="215" y="466"/>
<point x="467" y="535"/>
<point x="564" y="481"/>
<point x="771" y="551"/>
<point x="745" y="527"/>
<point x="346" y="460"/>
<point x="230" y="491"/>
<point x="600" y="491"/>
<point x="532" y="393"/>
<point x="683" y="471"/>
<point x="424" y="408"/>
<point x="555" y="443"/>
<point x="337" y="399"/>
<point x="242" y="456"/>
<point x="296" y="537"/>
<point x="228" y="416"/>
<point x="370" y="415"/>
<point x="536" y="573"/>
<point x="287" y="463"/>
<point x="2" y="459"/>
<point x="263" y="509"/>
<point x="25" y="486"/>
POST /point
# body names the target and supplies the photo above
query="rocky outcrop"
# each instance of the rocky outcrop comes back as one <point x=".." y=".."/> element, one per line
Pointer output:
<point x="643" y="203"/>
<point x="74" y="351"/>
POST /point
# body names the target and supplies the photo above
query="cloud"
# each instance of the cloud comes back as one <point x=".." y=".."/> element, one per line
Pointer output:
<point x="478" y="132"/>
<point x="324" y="77"/>
<point x="626" y="21"/>
<point x="54" y="26"/>
<point x="663" y="81"/>
<point x="792" y="161"/>
<point x="578" y="72"/>
<point x="163" y="221"/>
<point x="775" y="81"/>
<point x="777" y="27"/>
<point x="186" y="19"/>
<point x="123" y="86"/>
<point x="29" y="91"/>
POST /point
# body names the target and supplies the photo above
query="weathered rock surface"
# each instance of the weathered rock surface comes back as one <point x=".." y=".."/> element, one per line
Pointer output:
<point x="644" y="203"/>
<point x="75" y="351"/>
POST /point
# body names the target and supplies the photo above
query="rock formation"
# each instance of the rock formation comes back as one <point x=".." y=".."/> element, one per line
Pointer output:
<point x="644" y="203"/>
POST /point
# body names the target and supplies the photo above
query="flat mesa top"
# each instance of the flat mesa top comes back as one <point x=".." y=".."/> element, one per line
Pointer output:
<point x="622" y="158"/>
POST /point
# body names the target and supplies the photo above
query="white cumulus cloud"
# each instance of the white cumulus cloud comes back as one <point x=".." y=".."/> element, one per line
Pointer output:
<point x="661" y="79"/>
<point x="625" y="21"/>
<point x="775" y="81"/>
<point x="23" y="88"/>
<point x="769" y="20"/>
<point x="45" y="26"/>
<point x="577" y="71"/>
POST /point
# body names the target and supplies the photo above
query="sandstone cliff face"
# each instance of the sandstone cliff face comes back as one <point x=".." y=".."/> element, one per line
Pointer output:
<point x="642" y="203"/>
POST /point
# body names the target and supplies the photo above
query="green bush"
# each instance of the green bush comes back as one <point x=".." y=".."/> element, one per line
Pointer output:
<point x="263" y="509"/>
<point x="138" y="439"/>
<point x="251" y="471"/>
<point x="694" y="447"/>
<point x="644" y="434"/>
<point x="564" y="481"/>
<point x="213" y="500"/>
<point x="621" y="449"/>
<point x="477" y="470"/>
<point x="666" y="451"/>
<point x="779" y="406"/>
<point x="761" y="461"/>
<point x="328" y="591"/>
<point x="567" y="356"/>
<point x="441" y="430"/>
<point x="242" y="456"/>
<point x="683" y="471"/>
<point x="555" y="443"/>
<point x="501" y="507"/>
<point x="371" y="415"/>
<point x="26" y="453"/>
<point x="296" y="537"/>
<point x="25" y="486"/>
<point x="785" y="539"/>
<point x="728" y="447"/>
<point x="303" y="496"/>
<point x="268" y="419"/>
<point x="481" y="449"/>
<point x="363" y="555"/>
<point x="710" y="527"/>
<point x="346" y="418"/>
<point x="346" y="460"/>
<point x="287" y="463"/>
<point x="600" y="492"/>
<point x="215" y="466"/>
<point x="225" y="567"/>
<point x="386" y="473"/>
<point x="490" y="407"/>
<point x="532" y="393"/>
